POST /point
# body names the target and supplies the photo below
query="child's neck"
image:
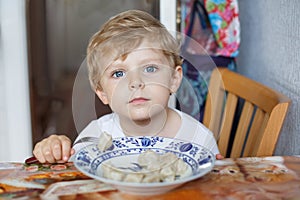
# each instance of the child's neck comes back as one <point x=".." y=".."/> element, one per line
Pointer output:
<point x="165" y="125"/>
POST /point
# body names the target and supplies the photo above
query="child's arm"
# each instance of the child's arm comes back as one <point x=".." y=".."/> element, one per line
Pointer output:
<point x="54" y="149"/>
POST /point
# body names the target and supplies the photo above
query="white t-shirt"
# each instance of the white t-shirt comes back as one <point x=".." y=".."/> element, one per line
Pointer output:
<point x="190" y="130"/>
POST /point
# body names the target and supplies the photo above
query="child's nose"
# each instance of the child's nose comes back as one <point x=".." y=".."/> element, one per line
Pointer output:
<point x="136" y="84"/>
<point x="135" y="79"/>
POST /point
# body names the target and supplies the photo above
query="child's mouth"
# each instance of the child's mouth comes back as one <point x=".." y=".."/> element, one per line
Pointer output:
<point x="138" y="100"/>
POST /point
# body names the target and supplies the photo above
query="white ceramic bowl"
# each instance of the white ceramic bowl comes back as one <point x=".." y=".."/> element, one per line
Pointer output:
<point x="125" y="151"/>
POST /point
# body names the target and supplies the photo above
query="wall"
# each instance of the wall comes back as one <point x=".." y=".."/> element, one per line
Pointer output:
<point x="269" y="53"/>
<point x="15" y="122"/>
<point x="70" y="24"/>
<point x="15" y="129"/>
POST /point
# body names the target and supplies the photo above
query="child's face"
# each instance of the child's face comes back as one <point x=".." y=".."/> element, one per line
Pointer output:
<point x="139" y="86"/>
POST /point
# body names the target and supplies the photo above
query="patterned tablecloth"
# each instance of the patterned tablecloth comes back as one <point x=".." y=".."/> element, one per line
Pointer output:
<point x="245" y="178"/>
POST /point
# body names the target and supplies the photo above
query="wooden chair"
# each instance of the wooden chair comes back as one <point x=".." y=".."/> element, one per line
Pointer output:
<point x="263" y="111"/>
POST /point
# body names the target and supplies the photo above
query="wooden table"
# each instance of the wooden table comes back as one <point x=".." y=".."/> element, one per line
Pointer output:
<point x="244" y="178"/>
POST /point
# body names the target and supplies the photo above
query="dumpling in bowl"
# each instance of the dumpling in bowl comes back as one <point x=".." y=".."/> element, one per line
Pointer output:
<point x="105" y="141"/>
<point x="109" y="171"/>
<point x="167" y="173"/>
<point x="134" y="177"/>
<point x="167" y="159"/>
<point x="181" y="168"/>
<point x="153" y="167"/>
<point x="152" y="177"/>
<point x="149" y="160"/>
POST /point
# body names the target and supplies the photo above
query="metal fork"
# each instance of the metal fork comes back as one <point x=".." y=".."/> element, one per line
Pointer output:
<point x="87" y="139"/>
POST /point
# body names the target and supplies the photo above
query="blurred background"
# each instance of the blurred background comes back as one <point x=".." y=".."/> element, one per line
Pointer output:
<point x="58" y="34"/>
<point x="43" y="43"/>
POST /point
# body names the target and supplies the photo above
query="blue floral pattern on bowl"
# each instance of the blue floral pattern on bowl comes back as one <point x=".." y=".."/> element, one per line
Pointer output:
<point x="89" y="159"/>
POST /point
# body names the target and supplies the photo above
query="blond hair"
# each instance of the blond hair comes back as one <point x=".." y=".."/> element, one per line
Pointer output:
<point x="122" y="34"/>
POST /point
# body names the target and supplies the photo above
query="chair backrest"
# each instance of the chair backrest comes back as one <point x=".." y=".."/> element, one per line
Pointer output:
<point x="256" y="127"/>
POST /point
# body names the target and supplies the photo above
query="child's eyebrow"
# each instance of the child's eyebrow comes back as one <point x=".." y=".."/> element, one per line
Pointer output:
<point x="117" y="64"/>
<point x="151" y="60"/>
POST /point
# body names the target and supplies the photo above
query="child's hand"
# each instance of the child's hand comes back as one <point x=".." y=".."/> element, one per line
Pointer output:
<point x="55" y="148"/>
<point x="219" y="157"/>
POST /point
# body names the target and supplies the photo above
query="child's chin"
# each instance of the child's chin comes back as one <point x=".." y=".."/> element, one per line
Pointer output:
<point x="139" y="118"/>
<point x="143" y="115"/>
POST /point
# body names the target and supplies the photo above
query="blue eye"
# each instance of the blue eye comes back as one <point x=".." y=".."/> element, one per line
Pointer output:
<point x="150" y="69"/>
<point x="118" y="74"/>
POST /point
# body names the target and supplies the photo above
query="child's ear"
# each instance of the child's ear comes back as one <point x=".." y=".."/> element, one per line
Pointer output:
<point x="102" y="96"/>
<point x="177" y="78"/>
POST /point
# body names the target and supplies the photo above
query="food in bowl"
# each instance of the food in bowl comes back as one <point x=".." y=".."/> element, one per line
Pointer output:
<point x="124" y="153"/>
<point x="105" y="141"/>
<point x="150" y="167"/>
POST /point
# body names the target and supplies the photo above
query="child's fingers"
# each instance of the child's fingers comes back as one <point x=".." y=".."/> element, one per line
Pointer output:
<point x="72" y="151"/>
<point x="56" y="148"/>
<point x="48" y="152"/>
<point x="48" y="147"/>
<point x="66" y="148"/>
<point x="219" y="157"/>
<point x="38" y="153"/>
